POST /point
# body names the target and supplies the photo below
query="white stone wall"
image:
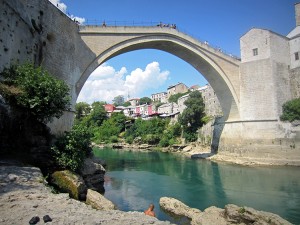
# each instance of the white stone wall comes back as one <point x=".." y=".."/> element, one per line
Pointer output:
<point x="297" y="13"/>
<point x="181" y="105"/>
<point x="295" y="48"/>
<point x="295" y="82"/>
<point x="165" y="108"/>
<point x="255" y="39"/>
<point x="264" y="77"/>
<point x="210" y="99"/>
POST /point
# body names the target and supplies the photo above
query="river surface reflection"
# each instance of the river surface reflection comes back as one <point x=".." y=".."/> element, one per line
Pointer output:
<point x="136" y="179"/>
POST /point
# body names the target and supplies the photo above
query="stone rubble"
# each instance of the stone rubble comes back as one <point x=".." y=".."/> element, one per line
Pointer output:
<point x="24" y="195"/>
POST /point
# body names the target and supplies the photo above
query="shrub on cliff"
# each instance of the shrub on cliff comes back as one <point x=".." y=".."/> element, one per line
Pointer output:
<point x="72" y="148"/>
<point x="34" y="92"/>
<point x="291" y="110"/>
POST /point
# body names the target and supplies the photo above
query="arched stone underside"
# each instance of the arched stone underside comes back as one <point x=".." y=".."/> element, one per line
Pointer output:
<point x="219" y="79"/>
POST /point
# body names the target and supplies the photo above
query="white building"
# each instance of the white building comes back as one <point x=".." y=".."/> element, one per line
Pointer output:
<point x="160" y="97"/>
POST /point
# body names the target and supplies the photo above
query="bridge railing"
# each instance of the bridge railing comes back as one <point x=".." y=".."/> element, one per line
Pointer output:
<point x="116" y="23"/>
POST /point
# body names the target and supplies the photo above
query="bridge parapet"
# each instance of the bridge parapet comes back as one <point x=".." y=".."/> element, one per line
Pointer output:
<point x="142" y="30"/>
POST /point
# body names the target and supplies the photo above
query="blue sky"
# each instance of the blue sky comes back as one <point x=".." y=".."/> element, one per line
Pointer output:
<point x="220" y="22"/>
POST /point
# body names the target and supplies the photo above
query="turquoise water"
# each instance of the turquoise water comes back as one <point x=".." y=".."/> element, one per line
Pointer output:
<point x="136" y="179"/>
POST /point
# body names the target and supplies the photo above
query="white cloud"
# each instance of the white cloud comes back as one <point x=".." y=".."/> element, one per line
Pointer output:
<point x="105" y="82"/>
<point x="80" y="20"/>
<point x="63" y="7"/>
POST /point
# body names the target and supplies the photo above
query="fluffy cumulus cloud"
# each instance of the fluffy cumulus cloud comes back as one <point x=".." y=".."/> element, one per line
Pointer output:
<point x="63" y="7"/>
<point x="105" y="82"/>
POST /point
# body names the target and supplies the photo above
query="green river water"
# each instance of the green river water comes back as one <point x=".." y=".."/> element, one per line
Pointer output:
<point x="135" y="179"/>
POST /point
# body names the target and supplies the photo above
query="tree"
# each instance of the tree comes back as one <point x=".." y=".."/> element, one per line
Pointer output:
<point x="291" y="110"/>
<point x="72" y="148"/>
<point x="150" y="131"/>
<point x="126" y="104"/>
<point x="82" y="109"/>
<point x="110" y="128"/>
<point x="34" y="92"/>
<point x="174" y="98"/>
<point x="191" y="117"/>
<point x="97" y="115"/>
<point x="118" y="100"/>
<point x="145" y="100"/>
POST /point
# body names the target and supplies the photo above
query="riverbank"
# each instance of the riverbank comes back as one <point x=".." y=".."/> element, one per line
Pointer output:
<point x="198" y="151"/>
<point x="24" y="195"/>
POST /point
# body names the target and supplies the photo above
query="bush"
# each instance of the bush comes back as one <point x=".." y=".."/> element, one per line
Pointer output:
<point x="113" y="139"/>
<point x="190" y="136"/>
<point x="129" y="139"/>
<point x="164" y="142"/>
<point x="71" y="149"/>
<point x="291" y="110"/>
<point x="151" y="139"/>
<point x="35" y="92"/>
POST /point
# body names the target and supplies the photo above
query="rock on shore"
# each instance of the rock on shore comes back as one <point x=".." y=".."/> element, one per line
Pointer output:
<point x="232" y="214"/>
<point x="23" y="195"/>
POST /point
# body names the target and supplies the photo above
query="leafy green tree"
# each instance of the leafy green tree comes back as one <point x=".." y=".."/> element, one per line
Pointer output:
<point x="145" y="100"/>
<point x="110" y="129"/>
<point x="191" y="117"/>
<point x="118" y="100"/>
<point x="96" y="116"/>
<point x="126" y="104"/>
<point x="72" y="148"/>
<point x="34" y="92"/>
<point x="118" y="120"/>
<point x="150" y="131"/>
<point x="291" y="110"/>
<point x="174" y="98"/>
<point x="82" y="109"/>
<point x="170" y="135"/>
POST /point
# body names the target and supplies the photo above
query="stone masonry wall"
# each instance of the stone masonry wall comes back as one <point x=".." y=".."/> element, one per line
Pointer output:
<point x="295" y="82"/>
<point x="36" y="31"/>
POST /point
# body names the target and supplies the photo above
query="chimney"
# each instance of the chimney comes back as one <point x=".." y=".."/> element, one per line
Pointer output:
<point x="297" y="13"/>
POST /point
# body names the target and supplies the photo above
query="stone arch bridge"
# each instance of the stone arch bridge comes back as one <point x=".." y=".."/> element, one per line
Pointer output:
<point x="251" y="91"/>
<point x="241" y="131"/>
<point x="220" y="70"/>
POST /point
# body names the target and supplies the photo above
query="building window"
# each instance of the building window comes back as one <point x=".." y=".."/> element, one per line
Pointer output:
<point x="296" y="55"/>
<point x="255" y="51"/>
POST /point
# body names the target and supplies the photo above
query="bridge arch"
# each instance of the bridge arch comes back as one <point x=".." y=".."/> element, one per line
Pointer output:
<point x="186" y="50"/>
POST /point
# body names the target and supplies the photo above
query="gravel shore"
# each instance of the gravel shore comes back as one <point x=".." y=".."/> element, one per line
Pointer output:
<point x="24" y="194"/>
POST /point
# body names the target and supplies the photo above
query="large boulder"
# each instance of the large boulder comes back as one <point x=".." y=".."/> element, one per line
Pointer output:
<point x="93" y="172"/>
<point x="178" y="208"/>
<point x="98" y="201"/>
<point x="211" y="215"/>
<point x="69" y="182"/>
<point x="247" y="215"/>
